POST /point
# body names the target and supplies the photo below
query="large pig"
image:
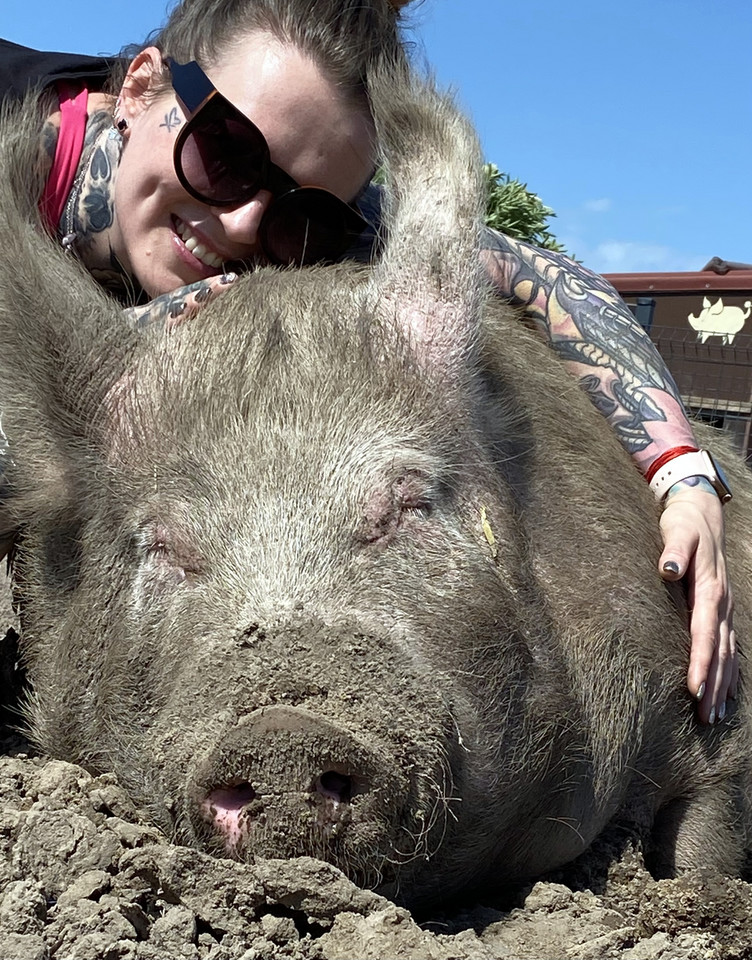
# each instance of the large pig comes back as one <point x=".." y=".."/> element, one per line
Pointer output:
<point x="349" y="567"/>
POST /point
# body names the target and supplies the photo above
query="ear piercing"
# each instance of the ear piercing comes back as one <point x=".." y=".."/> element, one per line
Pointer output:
<point x="122" y="124"/>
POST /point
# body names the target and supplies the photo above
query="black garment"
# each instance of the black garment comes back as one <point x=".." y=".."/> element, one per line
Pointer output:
<point x="22" y="68"/>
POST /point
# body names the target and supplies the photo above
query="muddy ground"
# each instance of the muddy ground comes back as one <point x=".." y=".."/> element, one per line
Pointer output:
<point x="84" y="877"/>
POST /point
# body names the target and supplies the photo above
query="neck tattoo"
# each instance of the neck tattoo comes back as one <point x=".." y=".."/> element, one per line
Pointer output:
<point x="89" y="214"/>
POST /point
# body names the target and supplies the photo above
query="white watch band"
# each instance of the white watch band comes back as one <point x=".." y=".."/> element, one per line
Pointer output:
<point x="697" y="464"/>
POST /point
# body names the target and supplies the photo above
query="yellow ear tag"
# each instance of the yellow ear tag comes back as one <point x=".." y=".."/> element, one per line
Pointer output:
<point x="488" y="532"/>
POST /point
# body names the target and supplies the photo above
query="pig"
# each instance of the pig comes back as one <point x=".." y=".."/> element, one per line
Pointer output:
<point x="348" y="566"/>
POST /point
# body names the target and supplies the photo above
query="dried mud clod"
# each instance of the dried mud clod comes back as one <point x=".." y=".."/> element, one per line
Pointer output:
<point x="83" y="877"/>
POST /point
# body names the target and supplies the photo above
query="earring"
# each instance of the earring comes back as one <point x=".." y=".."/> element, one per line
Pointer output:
<point x="122" y="124"/>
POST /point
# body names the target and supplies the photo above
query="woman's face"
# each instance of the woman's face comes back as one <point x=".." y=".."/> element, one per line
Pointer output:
<point x="163" y="236"/>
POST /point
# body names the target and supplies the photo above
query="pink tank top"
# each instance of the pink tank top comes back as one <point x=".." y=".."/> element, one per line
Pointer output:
<point x="73" y="117"/>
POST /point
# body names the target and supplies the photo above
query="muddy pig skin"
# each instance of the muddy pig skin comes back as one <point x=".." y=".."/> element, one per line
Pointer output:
<point x="348" y="566"/>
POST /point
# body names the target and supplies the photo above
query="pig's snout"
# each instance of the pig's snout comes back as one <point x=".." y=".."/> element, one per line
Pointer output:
<point x="283" y="782"/>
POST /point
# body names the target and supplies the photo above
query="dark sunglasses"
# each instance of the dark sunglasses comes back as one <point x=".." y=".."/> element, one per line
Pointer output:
<point x="222" y="159"/>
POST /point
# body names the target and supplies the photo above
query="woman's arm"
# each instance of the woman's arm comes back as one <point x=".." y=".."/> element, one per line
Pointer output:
<point x="602" y="344"/>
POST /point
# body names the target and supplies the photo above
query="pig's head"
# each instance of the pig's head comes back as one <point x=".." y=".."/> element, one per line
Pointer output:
<point x="269" y="569"/>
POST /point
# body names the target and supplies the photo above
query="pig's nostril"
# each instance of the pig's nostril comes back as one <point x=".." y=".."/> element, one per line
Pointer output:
<point x="231" y="810"/>
<point x="335" y="786"/>
<point x="232" y="798"/>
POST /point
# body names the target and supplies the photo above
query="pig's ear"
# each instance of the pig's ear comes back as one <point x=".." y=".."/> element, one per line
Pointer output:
<point x="430" y="278"/>
<point x="63" y="342"/>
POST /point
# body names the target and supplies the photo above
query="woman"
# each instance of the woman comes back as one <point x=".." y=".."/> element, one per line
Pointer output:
<point x="164" y="233"/>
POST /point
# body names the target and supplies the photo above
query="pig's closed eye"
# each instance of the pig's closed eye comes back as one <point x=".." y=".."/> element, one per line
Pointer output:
<point x="398" y="506"/>
<point x="170" y="556"/>
<point x="414" y="493"/>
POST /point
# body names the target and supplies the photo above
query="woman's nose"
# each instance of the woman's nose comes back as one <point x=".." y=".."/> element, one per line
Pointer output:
<point x="241" y="224"/>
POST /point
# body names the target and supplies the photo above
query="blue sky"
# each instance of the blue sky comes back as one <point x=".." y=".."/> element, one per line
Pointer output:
<point x="632" y="120"/>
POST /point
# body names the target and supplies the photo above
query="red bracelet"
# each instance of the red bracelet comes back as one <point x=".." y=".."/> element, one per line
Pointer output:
<point x="664" y="458"/>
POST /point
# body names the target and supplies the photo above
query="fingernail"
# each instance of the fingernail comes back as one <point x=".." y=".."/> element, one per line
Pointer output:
<point x="176" y="309"/>
<point x="228" y="278"/>
<point x="711" y="718"/>
<point x="722" y="711"/>
<point x="671" y="566"/>
<point x="701" y="692"/>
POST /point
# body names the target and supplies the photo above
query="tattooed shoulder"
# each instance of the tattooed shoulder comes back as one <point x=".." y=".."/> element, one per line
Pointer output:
<point x="48" y="142"/>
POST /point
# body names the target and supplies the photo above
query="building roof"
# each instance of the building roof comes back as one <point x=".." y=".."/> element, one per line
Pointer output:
<point x="717" y="274"/>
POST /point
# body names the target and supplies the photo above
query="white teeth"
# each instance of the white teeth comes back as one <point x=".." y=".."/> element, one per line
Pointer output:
<point x="201" y="252"/>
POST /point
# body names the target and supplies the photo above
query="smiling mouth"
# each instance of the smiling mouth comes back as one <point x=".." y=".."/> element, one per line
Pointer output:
<point x="194" y="246"/>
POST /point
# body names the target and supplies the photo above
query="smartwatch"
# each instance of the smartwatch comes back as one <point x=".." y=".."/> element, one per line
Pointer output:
<point x="699" y="463"/>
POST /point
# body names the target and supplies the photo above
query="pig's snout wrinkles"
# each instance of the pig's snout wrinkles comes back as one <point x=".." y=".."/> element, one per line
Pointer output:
<point x="284" y="782"/>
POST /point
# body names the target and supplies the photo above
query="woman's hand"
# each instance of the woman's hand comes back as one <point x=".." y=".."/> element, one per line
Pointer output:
<point x="171" y="309"/>
<point x="693" y="536"/>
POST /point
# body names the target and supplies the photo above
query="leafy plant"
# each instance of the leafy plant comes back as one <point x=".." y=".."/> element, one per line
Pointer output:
<point x="511" y="208"/>
<point x="516" y="211"/>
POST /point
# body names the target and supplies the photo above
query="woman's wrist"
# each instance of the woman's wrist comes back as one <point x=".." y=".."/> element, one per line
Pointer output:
<point x="690" y="465"/>
<point x="690" y="483"/>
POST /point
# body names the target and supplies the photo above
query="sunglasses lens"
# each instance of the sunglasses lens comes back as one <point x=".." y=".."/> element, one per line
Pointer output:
<point x="306" y="226"/>
<point x="221" y="155"/>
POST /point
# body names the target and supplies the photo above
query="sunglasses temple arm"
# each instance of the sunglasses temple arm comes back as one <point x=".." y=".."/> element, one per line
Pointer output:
<point x="190" y="83"/>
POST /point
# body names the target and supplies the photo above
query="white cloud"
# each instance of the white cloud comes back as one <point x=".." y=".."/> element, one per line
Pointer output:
<point x="615" y="256"/>
<point x="630" y="256"/>
<point x="598" y="206"/>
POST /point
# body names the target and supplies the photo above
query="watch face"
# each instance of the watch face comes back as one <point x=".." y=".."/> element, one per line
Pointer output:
<point x="722" y="486"/>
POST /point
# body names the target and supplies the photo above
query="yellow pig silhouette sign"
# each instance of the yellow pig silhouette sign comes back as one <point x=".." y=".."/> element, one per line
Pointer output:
<point x="718" y="320"/>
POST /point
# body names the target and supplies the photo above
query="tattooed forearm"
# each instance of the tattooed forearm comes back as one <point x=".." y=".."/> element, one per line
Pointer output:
<point x="691" y="483"/>
<point x="594" y="331"/>
<point x="167" y="307"/>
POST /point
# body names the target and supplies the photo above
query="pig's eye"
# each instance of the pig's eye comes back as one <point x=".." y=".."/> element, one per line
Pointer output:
<point x="168" y="555"/>
<point x="407" y="500"/>
<point x="414" y="492"/>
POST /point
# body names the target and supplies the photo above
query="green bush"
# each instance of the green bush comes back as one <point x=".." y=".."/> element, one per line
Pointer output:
<point x="514" y="210"/>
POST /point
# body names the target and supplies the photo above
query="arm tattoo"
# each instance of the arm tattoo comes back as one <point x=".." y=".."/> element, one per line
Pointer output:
<point x="595" y="333"/>
<point x="50" y="132"/>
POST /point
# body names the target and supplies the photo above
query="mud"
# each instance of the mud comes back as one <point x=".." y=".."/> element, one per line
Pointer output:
<point x="83" y="876"/>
